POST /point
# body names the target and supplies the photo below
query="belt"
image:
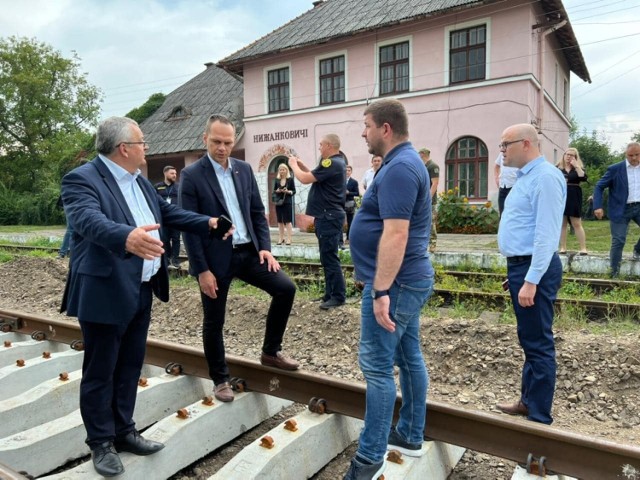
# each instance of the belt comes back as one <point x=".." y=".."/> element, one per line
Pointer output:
<point x="505" y="188"/>
<point x="573" y="184"/>
<point x="519" y="259"/>
<point x="633" y="203"/>
<point x="238" y="247"/>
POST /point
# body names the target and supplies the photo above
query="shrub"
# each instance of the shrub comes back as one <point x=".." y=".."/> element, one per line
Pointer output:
<point x="455" y="215"/>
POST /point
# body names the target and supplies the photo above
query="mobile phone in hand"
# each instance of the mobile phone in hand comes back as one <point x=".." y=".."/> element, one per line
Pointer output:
<point x="224" y="224"/>
<point x="505" y="285"/>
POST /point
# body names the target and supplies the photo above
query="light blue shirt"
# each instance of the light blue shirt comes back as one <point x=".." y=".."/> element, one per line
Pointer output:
<point x="532" y="217"/>
<point x="225" y="179"/>
<point x="137" y="203"/>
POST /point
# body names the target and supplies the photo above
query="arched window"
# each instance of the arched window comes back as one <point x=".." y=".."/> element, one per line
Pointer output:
<point x="467" y="167"/>
<point x="178" y="113"/>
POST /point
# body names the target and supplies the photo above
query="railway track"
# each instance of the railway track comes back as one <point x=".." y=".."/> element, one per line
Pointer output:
<point x="34" y="409"/>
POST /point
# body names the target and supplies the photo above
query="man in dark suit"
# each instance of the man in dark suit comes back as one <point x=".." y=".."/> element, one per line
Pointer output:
<point x="220" y="185"/>
<point x="117" y="263"/>
<point x="623" y="181"/>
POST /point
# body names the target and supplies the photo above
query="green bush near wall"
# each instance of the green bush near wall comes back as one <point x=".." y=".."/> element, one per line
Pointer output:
<point x="456" y="215"/>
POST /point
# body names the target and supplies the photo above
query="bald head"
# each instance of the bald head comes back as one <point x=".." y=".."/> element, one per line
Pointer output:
<point x="520" y="145"/>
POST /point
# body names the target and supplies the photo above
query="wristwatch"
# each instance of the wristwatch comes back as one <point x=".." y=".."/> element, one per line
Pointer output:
<point x="376" y="294"/>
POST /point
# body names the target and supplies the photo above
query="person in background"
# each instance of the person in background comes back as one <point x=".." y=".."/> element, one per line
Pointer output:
<point x="389" y="250"/>
<point x="218" y="184"/>
<point x="168" y="190"/>
<point x="116" y="267"/>
<point x="353" y="191"/>
<point x="623" y="181"/>
<point x="528" y="236"/>
<point x="434" y="179"/>
<point x="505" y="178"/>
<point x="573" y="170"/>
<point x="376" y="163"/>
<point x="284" y="189"/>
<point x="326" y="204"/>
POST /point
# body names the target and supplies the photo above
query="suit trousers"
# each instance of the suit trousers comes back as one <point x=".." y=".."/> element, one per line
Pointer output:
<point x="113" y="359"/>
<point x="535" y="333"/>
<point x="245" y="265"/>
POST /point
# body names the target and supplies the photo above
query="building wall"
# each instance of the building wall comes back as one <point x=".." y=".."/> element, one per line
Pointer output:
<point x="520" y="87"/>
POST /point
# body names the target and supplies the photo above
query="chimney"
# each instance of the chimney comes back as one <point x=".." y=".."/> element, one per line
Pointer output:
<point x="317" y="3"/>
<point x="208" y="64"/>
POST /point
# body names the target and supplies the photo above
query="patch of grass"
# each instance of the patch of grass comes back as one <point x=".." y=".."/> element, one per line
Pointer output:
<point x="572" y="317"/>
<point x="29" y="228"/>
<point x="599" y="237"/>
<point x="186" y="281"/>
<point x="430" y="309"/>
<point x="468" y="308"/>
<point x="571" y="289"/>
<point x="5" y="257"/>
<point x="621" y="295"/>
<point x="39" y="253"/>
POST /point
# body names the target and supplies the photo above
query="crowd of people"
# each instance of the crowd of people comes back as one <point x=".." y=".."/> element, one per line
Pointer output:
<point x="127" y="236"/>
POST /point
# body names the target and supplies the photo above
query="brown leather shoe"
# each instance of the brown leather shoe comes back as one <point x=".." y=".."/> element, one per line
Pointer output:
<point x="279" y="361"/>
<point x="517" y="408"/>
<point x="223" y="392"/>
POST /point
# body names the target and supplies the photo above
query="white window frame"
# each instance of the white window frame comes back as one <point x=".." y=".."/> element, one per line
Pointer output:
<point x="265" y="76"/>
<point x="463" y="26"/>
<point x="376" y="62"/>
<point x="317" y="61"/>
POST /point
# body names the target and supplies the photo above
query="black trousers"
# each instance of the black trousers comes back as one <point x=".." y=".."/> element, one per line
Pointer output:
<point x="245" y="265"/>
<point x="113" y="358"/>
<point x="171" y="244"/>
<point x="502" y="195"/>
<point x="329" y="234"/>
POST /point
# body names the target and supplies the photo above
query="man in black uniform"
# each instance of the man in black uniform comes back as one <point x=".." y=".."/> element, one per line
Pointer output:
<point x="326" y="204"/>
<point x="168" y="190"/>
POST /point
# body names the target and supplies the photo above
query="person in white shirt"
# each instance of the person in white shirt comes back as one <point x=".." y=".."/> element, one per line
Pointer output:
<point x="376" y="163"/>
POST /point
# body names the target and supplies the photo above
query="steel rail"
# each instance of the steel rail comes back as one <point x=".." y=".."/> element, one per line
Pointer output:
<point x="7" y="473"/>
<point x="565" y="452"/>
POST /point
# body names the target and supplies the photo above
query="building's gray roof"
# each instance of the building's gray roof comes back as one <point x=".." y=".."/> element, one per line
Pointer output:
<point x="212" y="91"/>
<point x="333" y="19"/>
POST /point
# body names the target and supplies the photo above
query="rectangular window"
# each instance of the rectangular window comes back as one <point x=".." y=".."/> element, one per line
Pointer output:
<point x="278" y="88"/>
<point x="394" y="68"/>
<point x="467" y="54"/>
<point x="332" y="81"/>
<point x="565" y="97"/>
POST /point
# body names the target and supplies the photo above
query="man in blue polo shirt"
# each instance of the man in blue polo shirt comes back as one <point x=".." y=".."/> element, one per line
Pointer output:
<point x="528" y="236"/>
<point x="390" y="235"/>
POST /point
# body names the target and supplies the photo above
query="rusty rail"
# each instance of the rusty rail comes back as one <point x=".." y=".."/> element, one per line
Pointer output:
<point x="565" y="452"/>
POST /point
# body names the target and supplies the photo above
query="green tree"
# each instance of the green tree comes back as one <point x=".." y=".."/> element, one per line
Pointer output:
<point x="148" y="108"/>
<point x="46" y="105"/>
<point x="635" y="137"/>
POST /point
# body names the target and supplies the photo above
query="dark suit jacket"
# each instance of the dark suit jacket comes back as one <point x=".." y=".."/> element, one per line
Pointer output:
<point x="615" y="179"/>
<point x="104" y="280"/>
<point x="200" y="192"/>
<point x="352" y="189"/>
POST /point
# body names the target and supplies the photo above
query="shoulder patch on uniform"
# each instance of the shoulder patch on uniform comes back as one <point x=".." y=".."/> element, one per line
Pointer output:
<point x="326" y="163"/>
<point x="436" y="170"/>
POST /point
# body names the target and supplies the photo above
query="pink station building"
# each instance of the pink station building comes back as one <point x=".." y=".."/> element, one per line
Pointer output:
<point x="464" y="70"/>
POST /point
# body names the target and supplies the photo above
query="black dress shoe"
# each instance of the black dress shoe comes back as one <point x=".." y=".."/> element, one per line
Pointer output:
<point x="106" y="461"/>
<point x="136" y="444"/>
<point x="331" y="303"/>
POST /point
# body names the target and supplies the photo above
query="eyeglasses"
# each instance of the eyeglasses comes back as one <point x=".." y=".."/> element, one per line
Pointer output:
<point x="144" y="144"/>
<point x="504" y="145"/>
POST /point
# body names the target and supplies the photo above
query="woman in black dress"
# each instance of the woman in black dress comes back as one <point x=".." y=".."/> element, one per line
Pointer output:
<point x="573" y="170"/>
<point x="283" y="191"/>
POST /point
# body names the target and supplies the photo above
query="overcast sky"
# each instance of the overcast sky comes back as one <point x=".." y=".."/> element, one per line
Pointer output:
<point x="134" y="48"/>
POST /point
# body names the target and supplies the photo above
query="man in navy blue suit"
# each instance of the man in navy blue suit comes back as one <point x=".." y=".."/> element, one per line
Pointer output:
<point x="623" y="181"/>
<point x="215" y="185"/>
<point x="117" y="263"/>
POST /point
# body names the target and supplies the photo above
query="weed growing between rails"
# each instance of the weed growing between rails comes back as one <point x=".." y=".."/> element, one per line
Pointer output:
<point x="456" y="215"/>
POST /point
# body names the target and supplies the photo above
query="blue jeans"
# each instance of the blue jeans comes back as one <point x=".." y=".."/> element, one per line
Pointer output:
<point x="619" y="236"/>
<point x="535" y="333"/>
<point x="66" y="241"/>
<point x="379" y="350"/>
<point x="329" y="233"/>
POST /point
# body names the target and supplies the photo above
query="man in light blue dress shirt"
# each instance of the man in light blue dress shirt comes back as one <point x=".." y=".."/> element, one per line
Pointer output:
<point x="528" y="236"/>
